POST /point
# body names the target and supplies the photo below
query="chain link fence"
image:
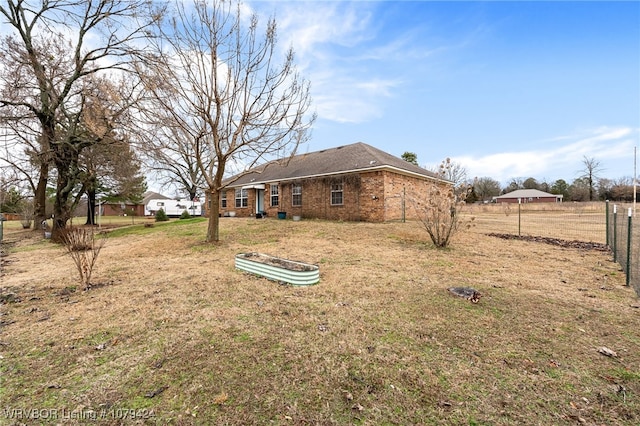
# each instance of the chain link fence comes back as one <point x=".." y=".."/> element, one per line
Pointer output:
<point x="623" y="237"/>
<point x="613" y="225"/>
<point x="568" y="221"/>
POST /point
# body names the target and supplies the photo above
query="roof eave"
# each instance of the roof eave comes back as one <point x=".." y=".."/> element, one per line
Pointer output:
<point x="342" y="172"/>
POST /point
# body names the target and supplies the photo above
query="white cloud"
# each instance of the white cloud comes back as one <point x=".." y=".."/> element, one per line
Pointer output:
<point x="610" y="146"/>
<point x="332" y="41"/>
<point x="308" y="26"/>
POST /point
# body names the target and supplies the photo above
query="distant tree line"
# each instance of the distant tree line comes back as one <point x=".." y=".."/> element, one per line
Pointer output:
<point x="587" y="186"/>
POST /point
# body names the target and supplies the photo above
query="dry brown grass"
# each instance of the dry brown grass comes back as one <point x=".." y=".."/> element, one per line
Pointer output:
<point x="171" y="328"/>
<point x="570" y="221"/>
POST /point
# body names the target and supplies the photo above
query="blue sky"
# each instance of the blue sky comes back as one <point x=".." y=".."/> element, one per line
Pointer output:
<point x="508" y="89"/>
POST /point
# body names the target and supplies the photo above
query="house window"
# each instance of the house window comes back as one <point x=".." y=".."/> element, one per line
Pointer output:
<point x="336" y="194"/>
<point x="242" y="198"/>
<point x="296" y="195"/>
<point x="223" y="199"/>
<point x="275" y="196"/>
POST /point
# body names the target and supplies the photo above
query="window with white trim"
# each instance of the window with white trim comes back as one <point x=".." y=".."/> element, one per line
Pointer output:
<point x="242" y="198"/>
<point x="336" y="194"/>
<point x="275" y="195"/>
<point x="223" y="199"/>
<point x="296" y="195"/>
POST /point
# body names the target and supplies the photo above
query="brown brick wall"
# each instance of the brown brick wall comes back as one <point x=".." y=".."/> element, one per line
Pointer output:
<point x="372" y="197"/>
<point x="403" y="193"/>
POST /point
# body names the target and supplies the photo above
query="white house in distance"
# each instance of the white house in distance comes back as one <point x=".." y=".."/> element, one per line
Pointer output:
<point x="173" y="208"/>
<point x="528" y="196"/>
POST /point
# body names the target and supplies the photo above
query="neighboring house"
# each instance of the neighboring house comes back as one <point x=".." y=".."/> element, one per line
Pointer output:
<point x="151" y="195"/>
<point x="174" y="208"/>
<point x="124" y="208"/>
<point x="154" y="201"/>
<point x="528" y="196"/>
<point x="354" y="182"/>
<point x="148" y="197"/>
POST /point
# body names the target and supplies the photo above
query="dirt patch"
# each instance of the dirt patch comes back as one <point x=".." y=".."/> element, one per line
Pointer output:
<point x="582" y="245"/>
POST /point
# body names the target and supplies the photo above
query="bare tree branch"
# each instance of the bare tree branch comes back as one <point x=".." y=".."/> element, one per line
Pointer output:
<point x="227" y="92"/>
<point x="55" y="46"/>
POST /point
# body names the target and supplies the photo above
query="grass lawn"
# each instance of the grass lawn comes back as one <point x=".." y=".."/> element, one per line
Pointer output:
<point x="172" y="333"/>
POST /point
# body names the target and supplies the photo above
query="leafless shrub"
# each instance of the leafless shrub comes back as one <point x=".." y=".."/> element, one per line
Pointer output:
<point x="26" y="213"/>
<point x="440" y="209"/>
<point x="83" y="248"/>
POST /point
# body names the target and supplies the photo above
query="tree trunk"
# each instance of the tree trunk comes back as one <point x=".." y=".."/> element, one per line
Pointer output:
<point x="213" y="230"/>
<point x="91" y="206"/>
<point x="193" y="191"/>
<point x="66" y="161"/>
<point x="40" y="195"/>
<point x="40" y="198"/>
<point x="61" y="211"/>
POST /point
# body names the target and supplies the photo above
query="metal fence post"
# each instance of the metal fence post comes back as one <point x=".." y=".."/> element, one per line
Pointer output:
<point x="404" y="205"/>
<point x="615" y="233"/>
<point x="629" y="246"/>
<point x="519" y="219"/>
<point x="606" y="221"/>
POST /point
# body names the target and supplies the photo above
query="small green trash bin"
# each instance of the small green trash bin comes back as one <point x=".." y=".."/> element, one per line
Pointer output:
<point x="282" y="215"/>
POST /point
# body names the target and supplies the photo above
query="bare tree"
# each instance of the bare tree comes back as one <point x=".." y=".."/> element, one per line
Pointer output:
<point x="579" y="189"/>
<point x="454" y="172"/>
<point x="169" y="152"/>
<point x="530" y="183"/>
<point x="54" y="47"/>
<point x="590" y="173"/>
<point x="220" y="83"/>
<point x="486" y="187"/>
<point x="514" y="185"/>
<point x="107" y="164"/>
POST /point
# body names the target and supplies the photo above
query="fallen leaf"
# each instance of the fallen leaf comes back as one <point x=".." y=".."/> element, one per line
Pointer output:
<point x="607" y="352"/>
<point x="221" y="398"/>
<point x="156" y="392"/>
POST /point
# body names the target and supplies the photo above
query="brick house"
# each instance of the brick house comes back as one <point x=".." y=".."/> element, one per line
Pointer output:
<point x="529" y="196"/>
<point x="354" y="182"/>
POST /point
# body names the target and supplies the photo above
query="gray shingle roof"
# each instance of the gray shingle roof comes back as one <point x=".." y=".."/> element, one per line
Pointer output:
<point x="527" y="193"/>
<point x="356" y="157"/>
<point x="150" y="195"/>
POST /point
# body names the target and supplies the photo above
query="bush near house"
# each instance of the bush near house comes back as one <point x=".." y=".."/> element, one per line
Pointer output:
<point x="161" y="216"/>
